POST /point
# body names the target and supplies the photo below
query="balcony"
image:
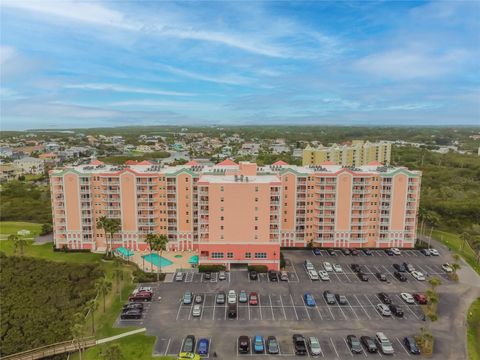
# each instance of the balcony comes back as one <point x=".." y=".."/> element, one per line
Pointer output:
<point x="359" y="207"/>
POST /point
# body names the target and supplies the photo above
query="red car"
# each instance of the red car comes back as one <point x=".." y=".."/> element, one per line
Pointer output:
<point x="141" y="296"/>
<point x="420" y="298"/>
<point x="253" y="298"/>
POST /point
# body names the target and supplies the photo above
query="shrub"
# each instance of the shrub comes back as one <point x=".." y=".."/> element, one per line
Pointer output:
<point x="258" y="268"/>
<point x="211" y="268"/>
<point x="282" y="261"/>
<point x="46" y="229"/>
<point x="140" y="276"/>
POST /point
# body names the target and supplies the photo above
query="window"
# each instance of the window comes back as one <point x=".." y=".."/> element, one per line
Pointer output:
<point x="221" y="218"/>
<point x="261" y="255"/>
<point x="256" y="227"/>
<point x="256" y="188"/>
<point x="217" y="255"/>
<point x="256" y="199"/>
<point x="248" y="255"/>
<point x="221" y="188"/>
<point x="221" y="199"/>
<point x="221" y="227"/>
<point x="230" y="255"/>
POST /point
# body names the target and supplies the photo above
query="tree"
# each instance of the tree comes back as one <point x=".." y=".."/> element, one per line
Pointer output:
<point x="102" y="224"/>
<point x="46" y="229"/>
<point x="434" y="282"/>
<point x="110" y="227"/>
<point x="19" y="243"/>
<point x="77" y="332"/>
<point x="112" y="352"/>
<point x="465" y="236"/>
<point x="92" y="306"/>
<point x="157" y="243"/>
<point x="103" y="286"/>
<point x="118" y="276"/>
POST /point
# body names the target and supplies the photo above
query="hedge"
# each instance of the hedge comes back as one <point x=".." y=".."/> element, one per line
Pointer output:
<point x="211" y="268"/>
<point x="142" y="277"/>
<point x="258" y="268"/>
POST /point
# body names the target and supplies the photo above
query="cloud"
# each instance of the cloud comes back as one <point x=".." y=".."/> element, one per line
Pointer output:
<point x="125" y="89"/>
<point x="225" y="79"/>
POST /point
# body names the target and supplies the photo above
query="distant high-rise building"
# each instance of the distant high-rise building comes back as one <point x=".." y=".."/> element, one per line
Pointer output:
<point x="357" y="154"/>
<point x="236" y="214"/>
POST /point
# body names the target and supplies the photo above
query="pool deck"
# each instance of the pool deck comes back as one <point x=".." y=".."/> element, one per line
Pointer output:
<point x="178" y="263"/>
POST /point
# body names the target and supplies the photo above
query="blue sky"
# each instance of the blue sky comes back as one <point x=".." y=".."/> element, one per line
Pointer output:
<point x="111" y="63"/>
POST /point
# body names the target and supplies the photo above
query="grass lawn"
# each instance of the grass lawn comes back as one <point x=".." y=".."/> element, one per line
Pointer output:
<point x="473" y="331"/>
<point x="11" y="228"/>
<point x="453" y="242"/>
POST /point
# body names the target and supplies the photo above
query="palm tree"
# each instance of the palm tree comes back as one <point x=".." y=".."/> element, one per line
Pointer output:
<point x="434" y="282"/>
<point x="112" y="352"/>
<point x="118" y="276"/>
<point x="465" y="236"/>
<point x="110" y="227"/>
<point x="18" y="243"/>
<point x="77" y="331"/>
<point x="456" y="265"/>
<point x="92" y="306"/>
<point x="103" y="286"/>
<point x="157" y="243"/>
<point x="102" y="224"/>
<point x="421" y="216"/>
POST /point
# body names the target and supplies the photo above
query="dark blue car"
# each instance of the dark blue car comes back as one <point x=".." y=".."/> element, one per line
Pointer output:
<point x="202" y="347"/>
<point x="309" y="300"/>
<point x="316" y="251"/>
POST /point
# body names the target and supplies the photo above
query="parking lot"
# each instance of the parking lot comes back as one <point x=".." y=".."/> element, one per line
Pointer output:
<point x="282" y="311"/>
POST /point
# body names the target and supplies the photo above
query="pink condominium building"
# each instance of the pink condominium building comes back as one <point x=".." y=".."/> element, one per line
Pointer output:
<point x="236" y="213"/>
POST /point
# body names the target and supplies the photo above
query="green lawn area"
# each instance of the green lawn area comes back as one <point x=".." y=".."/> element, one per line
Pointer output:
<point x="454" y="243"/>
<point x="473" y="331"/>
<point x="11" y="227"/>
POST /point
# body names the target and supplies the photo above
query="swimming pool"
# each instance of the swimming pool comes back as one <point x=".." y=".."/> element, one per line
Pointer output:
<point x="157" y="260"/>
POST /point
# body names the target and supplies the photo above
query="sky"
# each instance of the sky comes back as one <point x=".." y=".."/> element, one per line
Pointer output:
<point x="73" y="64"/>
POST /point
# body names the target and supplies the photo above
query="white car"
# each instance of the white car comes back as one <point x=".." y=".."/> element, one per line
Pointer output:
<point x="323" y="275"/>
<point x="434" y="252"/>
<point x="142" y="288"/>
<point x="396" y="251"/>
<point x="408" y="298"/>
<point x="337" y="268"/>
<point x="314" y="346"/>
<point x="384" y="310"/>
<point x="232" y="297"/>
<point x="313" y="275"/>
<point x="447" y="268"/>
<point x="418" y="275"/>
<point x="327" y="266"/>
<point x="179" y="276"/>
<point x="222" y="275"/>
<point x="308" y="265"/>
<point x="384" y="344"/>
<point x="197" y="310"/>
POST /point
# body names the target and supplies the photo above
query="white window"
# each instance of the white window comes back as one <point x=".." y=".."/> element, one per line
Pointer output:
<point x="248" y="255"/>
<point x="229" y="255"/>
<point x="260" y="255"/>
<point x="217" y="255"/>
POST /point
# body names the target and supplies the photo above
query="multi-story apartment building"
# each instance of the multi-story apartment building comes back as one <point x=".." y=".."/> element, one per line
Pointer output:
<point x="359" y="153"/>
<point x="236" y="213"/>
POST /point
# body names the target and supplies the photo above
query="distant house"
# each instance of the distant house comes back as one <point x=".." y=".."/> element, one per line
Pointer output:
<point x="144" y="149"/>
<point x="8" y="172"/>
<point x="5" y="151"/>
<point x="52" y="147"/>
<point x="249" y="149"/>
<point x="30" y="165"/>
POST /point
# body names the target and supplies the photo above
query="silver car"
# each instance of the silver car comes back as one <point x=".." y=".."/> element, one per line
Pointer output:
<point x="384" y="310"/>
<point x="314" y="345"/>
<point x="197" y="310"/>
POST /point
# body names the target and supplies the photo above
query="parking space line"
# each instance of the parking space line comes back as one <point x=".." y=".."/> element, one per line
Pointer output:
<point x="178" y="312"/>
<point x="248" y="304"/>
<point x="260" y="307"/>
<point x="373" y="306"/>
<point x="214" y="306"/>
<point x="319" y="313"/>
<point x="168" y="345"/>
<point x="348" y="302"/>
<point x="283" y="308"/>
<point x="365" y="311"/>
<point x="334" y="348"/>
<point x="305" y="306"/>
<point x="349" y="351"/>
<point x="271" y="307"/>
<point x="328" y="307"/>
<point x="293" y="305"/>
<point x="343" y="313"/>
<point x="403" y="347"/>
<point x="407" y="306"/>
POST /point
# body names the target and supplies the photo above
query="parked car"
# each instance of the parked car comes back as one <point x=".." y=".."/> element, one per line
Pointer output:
<point x="380" y="276"/>
<point x="221" y="297"/>
<point x="188" y="356"/>
<point x="389" y="252"/>
<point x="203" y="346"/>
<point x="207" y="276"/>
<point x="384" y="298"/>
<point x="434" y="252"/>
<point x="329" y="297"/>
<point x="187" y="297"/>
<point x="131" y="314"/>
<point x="447" y="268"/>
<point x="420" y="298"/>
<point x="197" y="310"/>
<point x="369" y="344"/>
<point x="355" y="267"/>
<point x="400" y="276"/>
<point x="141" y="296"/>
<point x="426" y="252"/>
<point x="332" y="252"/>
<point x="411" y="345"/>
<point x="258" y="344"/>
<point x="222" y="275"/>
<point x="133" y="306"/>
<point x="384" y="310"/>
<point x="384" y="344"/>
<point x="189" y="344"/>
<point x="396" y="251"/>
<point x="408" y="298"/>
<point x="337" y="268"/>
<point x="323" y="275"/>
<point x="198" y="299"/>
<point x="272" y="345"/>
<point x="368" y="252"/>
<point x="232" y="297"/>
<point x="362" y="276"/>
<point x="418" y="275"/>
<point x="346" y="251"/>
<point x="242" y="297"/>
<point x="253" y="299"/>
<point x="144" y="289"/>
<point x="327" y="266"/>
<point x="341" y="299"/>
<point x="179" y="276"/>
<point x="299" y="344"/>
<point x="283" y="276"/>
<point x="314" y="346"/>
<point x="308" y="265"/>
<point x="309" y="300"/>
<point x="272" y="275"/>
<point x="316" y="251"/>
<point x="355" y="252"/>
<point x="396" y="310"/>
<point x="253" y="275"/>
<point x="410" y="268"/>
<point x="232" y="311"/>
<point x="313" y="275"/>
<point x="399" y="268"/>
<point x="243" y="344"/>
<point x="354" y="344"/>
